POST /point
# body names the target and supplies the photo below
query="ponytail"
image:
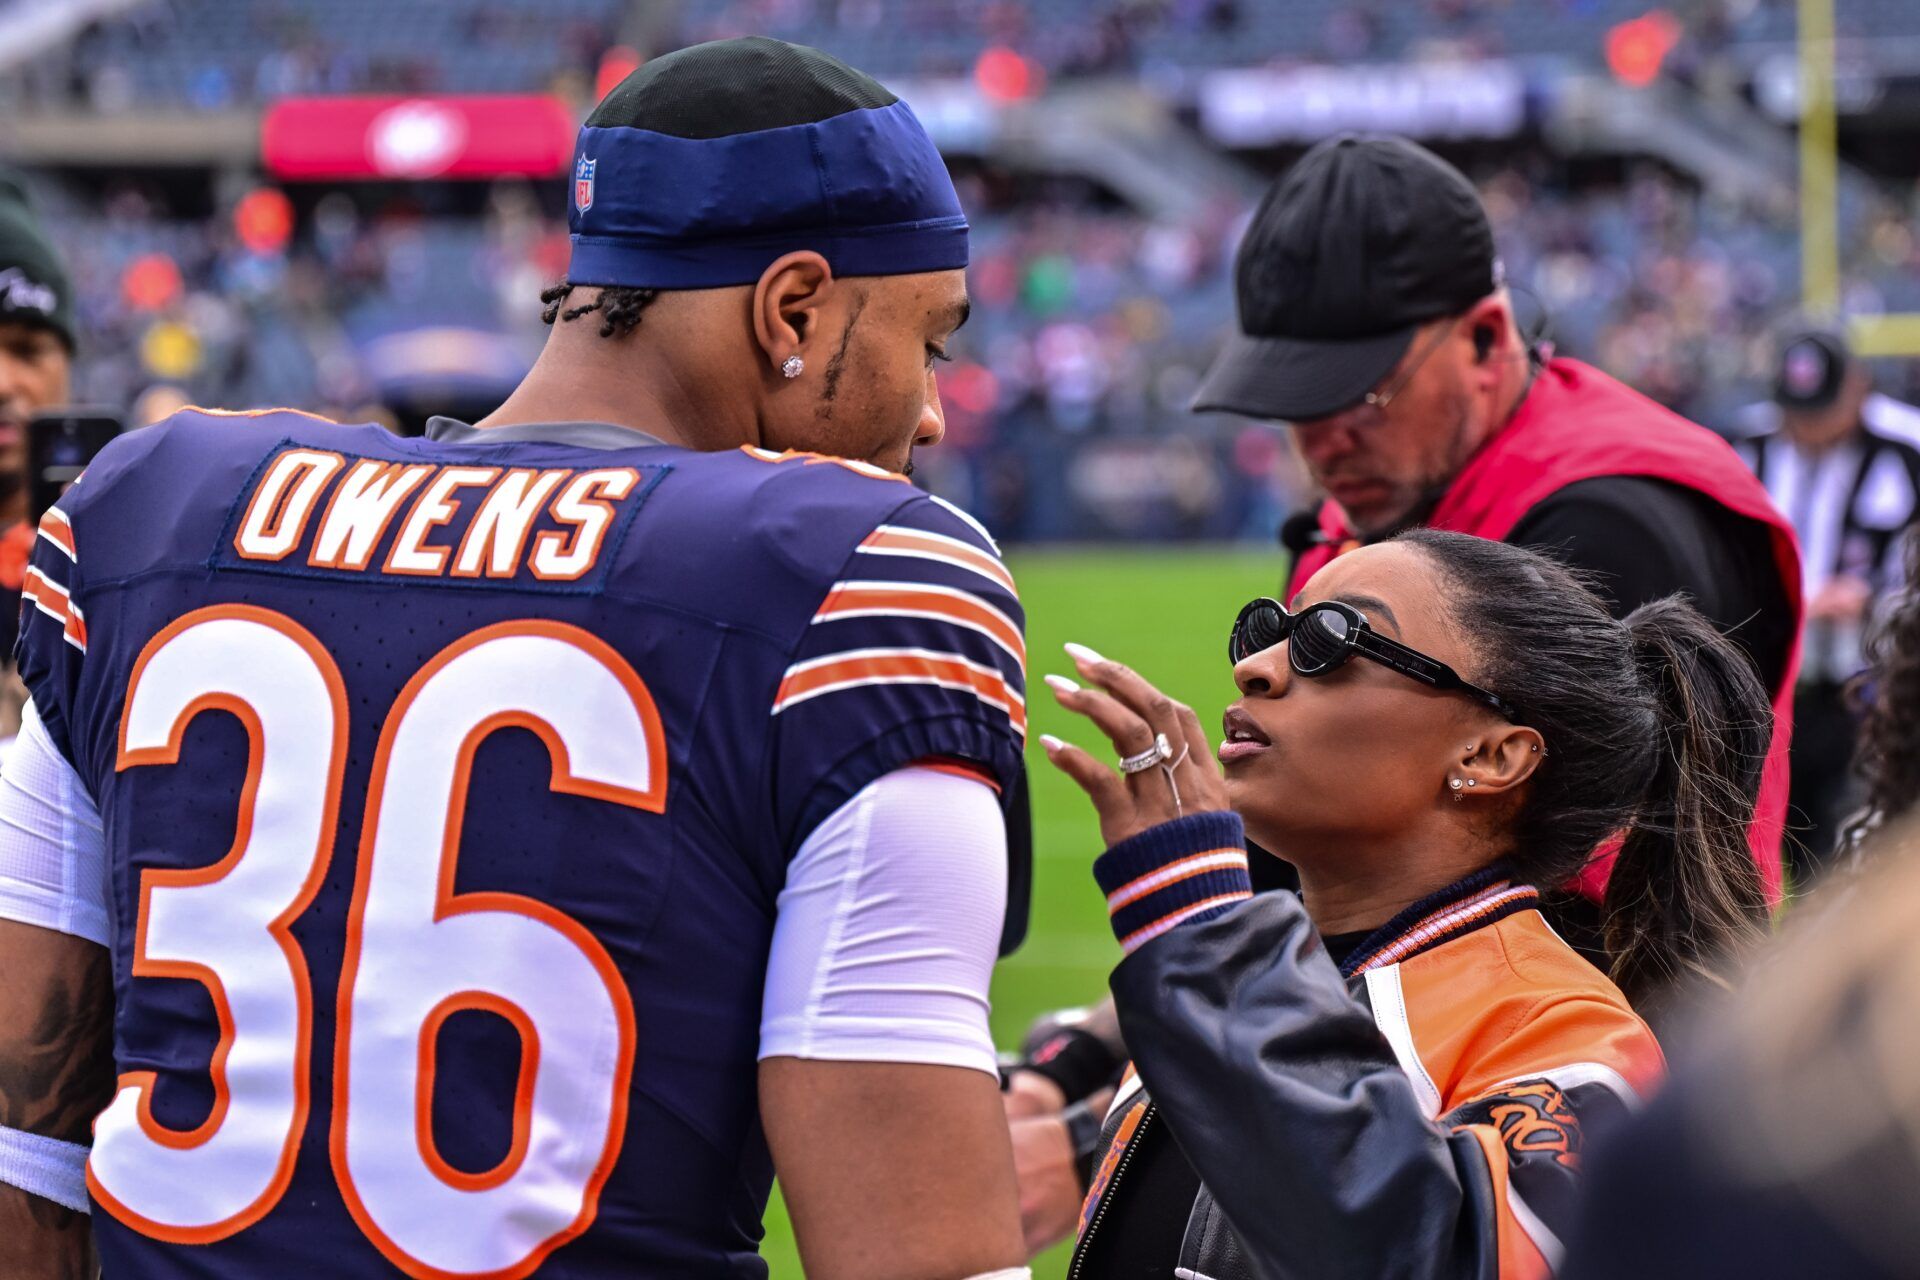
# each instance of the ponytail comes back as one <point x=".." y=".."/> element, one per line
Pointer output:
<point x="1684" y="898"/>
<point x="1656" y="731"/>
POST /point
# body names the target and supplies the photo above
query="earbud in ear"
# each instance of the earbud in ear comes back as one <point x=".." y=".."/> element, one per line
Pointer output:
<point x="1483" y="340"/>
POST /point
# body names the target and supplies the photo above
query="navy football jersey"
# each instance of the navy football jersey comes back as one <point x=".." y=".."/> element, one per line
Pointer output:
<point x="448" y="789"/>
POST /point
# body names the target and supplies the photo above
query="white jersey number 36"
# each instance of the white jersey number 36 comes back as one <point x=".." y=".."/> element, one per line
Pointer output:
<point x="416" y="951"/>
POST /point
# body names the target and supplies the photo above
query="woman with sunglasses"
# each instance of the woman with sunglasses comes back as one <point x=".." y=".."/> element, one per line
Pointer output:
<point x="1393" y="1073"/>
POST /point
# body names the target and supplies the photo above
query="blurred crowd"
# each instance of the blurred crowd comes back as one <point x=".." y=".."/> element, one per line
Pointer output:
<point x="1067" y="403"/>
<point x="212" y="55"/>
<point x="219" y="54"/>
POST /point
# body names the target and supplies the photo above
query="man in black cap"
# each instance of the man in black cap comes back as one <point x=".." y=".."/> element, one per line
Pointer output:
<point x="1850" y="489"/>
<point x="676" y="741"/>
<point x="1374" y="322"/>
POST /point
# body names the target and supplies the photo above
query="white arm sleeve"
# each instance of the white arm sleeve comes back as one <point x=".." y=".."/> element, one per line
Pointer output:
<point x="53" y="853"/>
<point x="889" y="926"/>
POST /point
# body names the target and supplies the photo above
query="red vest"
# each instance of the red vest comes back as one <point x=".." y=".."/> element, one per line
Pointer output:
<point x="1579" y="424"/>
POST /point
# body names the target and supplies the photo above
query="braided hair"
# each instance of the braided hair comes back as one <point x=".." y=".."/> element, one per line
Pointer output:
<point x="619" y="307"/>
<point x="1888" y="693"/>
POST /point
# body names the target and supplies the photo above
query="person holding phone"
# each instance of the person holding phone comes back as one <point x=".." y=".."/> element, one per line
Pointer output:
<point x="36" y="374"/>
<point x="1395" y="1073"/>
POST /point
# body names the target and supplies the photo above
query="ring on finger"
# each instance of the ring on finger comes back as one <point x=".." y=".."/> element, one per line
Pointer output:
<point x="1154" y="756"/>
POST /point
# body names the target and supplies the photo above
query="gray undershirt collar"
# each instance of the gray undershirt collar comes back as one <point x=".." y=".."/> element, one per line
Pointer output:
<point x="580" y="435"/>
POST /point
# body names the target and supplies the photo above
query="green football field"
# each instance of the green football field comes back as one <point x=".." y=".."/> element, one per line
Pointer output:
<point x="1165" y="613"/>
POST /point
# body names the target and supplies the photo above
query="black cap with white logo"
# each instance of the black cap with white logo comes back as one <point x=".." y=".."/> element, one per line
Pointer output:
<point x="34" y="286"/>
<point x="1357" y="245"/>
<point x="1813" y="368"/>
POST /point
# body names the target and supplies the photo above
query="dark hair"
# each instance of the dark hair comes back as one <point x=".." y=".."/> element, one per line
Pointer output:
<point x="1888" y="692"/>
<point x="619" y="306"/>
<point x="1656" y="730"/>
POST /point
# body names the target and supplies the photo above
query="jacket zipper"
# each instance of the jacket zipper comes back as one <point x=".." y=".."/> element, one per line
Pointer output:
<point x="1106" y="1197"/>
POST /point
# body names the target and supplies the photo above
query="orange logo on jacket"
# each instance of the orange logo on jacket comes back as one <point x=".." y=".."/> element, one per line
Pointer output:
<point x="1534" y="1119"/>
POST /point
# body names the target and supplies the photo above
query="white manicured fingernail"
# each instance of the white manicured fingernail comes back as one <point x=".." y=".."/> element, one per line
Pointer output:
<point x="1060" y="684"/>
<point x="1050" y="742"/>
<point x="1082" y="653"/>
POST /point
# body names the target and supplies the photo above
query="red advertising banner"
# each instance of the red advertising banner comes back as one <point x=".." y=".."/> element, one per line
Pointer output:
<point x="421" y="137"/>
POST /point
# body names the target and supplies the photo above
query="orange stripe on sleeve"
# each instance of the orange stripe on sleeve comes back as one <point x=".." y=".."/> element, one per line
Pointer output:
<point x="901" y="666"/>
<point x="57" y="529"/>
<point x="898" y="599"/>
<point x="892" y="540"/>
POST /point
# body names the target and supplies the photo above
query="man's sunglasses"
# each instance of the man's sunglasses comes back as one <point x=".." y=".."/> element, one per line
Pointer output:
<point x="1323" y="636"/>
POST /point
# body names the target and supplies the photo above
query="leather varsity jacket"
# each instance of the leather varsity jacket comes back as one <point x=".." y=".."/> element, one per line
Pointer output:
<point x="1418" y="1112"/>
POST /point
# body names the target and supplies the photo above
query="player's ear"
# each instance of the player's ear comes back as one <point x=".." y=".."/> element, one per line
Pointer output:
<point x="788" y="303"/>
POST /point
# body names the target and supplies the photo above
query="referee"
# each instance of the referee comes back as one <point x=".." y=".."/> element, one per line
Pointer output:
<point x="1850" y="488"/>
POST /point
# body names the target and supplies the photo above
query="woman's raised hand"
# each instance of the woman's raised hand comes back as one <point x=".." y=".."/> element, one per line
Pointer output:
<point x="1134" y="715"/>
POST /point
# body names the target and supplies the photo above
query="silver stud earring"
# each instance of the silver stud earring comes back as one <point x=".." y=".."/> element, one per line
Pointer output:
<point x="1536" y="748"/>
<point x="1456" y="784"/>
<point x="792" y="367"/>
<point x="1473" y="782"/>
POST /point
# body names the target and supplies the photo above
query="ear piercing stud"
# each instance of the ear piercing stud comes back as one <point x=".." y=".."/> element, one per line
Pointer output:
<point x="792" y="367"/>
<point x="1456" y="784"/>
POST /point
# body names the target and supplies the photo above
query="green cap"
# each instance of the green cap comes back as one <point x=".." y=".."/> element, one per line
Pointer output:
<point x="34" y="285"/>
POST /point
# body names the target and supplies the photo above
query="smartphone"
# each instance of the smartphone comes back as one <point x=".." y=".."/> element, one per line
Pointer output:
<point x="60" y="444"/>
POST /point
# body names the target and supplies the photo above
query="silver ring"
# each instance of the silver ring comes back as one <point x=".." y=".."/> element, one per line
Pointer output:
<point x="1157" y="754"/>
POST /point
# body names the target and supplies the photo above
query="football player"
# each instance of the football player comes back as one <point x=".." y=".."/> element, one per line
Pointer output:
<point x="472" y="855"/>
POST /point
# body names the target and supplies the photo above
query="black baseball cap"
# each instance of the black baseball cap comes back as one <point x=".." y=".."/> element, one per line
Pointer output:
<point x="1813" y="368"/>
<point x="1363" y="240"/>
<point x="34" y="286"/>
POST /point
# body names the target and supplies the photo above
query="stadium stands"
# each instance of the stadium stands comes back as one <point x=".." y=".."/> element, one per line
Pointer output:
<point x="1069" y="37"/>
<point x="1090" y="325"/>
<point x="213" y="54"/>
<point x="1096" y="310"/>
<point x="217" y="53"/>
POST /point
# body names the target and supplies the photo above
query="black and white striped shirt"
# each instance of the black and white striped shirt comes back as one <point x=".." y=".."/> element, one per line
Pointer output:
<point x="1848" y="504"/>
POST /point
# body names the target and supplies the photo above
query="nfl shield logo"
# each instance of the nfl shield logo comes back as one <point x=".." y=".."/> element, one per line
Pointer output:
<point x="1805" y="369"/>
<point x="583" y="184"/>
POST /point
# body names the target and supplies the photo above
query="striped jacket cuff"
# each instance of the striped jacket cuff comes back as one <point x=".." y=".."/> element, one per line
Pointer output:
<point x="1190" y="869"/>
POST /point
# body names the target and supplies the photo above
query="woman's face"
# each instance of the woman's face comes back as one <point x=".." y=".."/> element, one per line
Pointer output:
<point x="1318" y="766"/>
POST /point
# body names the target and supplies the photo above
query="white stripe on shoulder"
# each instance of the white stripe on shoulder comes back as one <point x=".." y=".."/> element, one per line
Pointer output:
<point x="969" y="521"/>
<point x="52" y="599"/>
<point x="1575" y="1074"/>
<point x="1537" y="1231"/>
<point x="1124" y="1094"/>
<point x="1390" y="1015"/>
<point x="57" y="531"/>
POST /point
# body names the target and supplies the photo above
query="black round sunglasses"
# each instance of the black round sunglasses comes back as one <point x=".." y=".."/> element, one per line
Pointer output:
<point x="1323" y="636"/>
